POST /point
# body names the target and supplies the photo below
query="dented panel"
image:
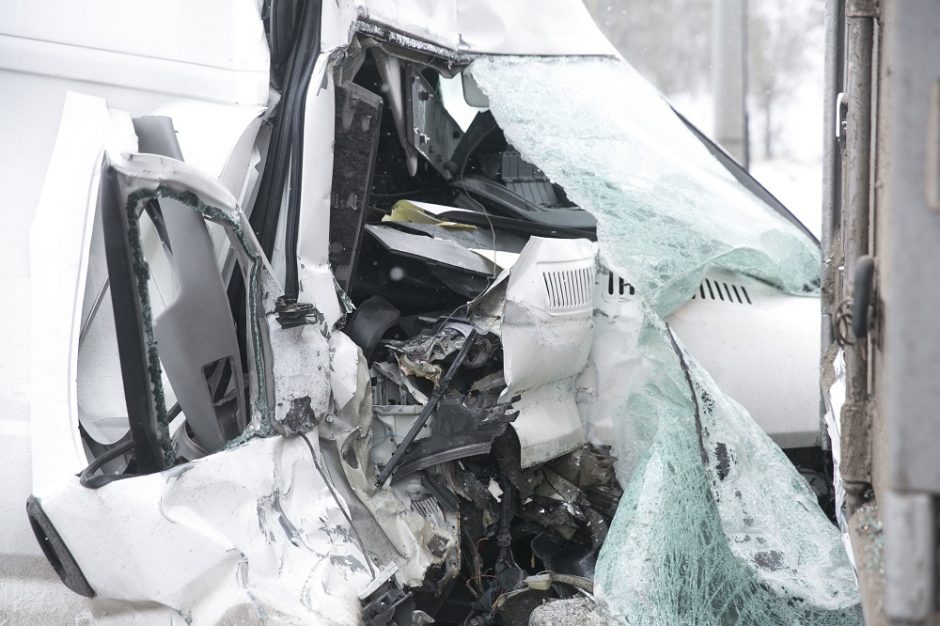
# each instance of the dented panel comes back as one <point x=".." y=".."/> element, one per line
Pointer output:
<point x="479" y="417"/>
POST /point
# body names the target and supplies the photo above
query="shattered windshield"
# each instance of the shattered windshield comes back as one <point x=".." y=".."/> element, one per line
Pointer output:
<point x="598" y="129"/>
<point x="715" y="526"/>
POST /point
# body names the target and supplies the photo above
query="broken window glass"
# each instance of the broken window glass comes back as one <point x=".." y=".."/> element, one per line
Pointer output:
<point x="599" y="130"/>
<point x="715" y="525"/>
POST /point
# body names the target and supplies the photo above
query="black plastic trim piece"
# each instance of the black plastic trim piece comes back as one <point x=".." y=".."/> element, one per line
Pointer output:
<point x="480" y="129"/>
<point x="515" y="206"/>
<point x="358" y="123"/>
<point x="862" y="290"/>
<point x="370" y="321"/>
<point x="88" y="477"/>
<point x="745" y="178"/>
<point x="280" y="19"/>
<point x="58" y="554"/>
<point x="422" y="419"/>
<point x="284" y="162"/>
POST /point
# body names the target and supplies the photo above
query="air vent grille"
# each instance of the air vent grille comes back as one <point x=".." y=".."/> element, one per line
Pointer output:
<point x="569" y="289"/>
<point x="720" y="290"/>
<point x="430" y="510"/>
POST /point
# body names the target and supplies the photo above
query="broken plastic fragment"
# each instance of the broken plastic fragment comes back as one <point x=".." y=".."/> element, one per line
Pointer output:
<point x="408" y="212"/>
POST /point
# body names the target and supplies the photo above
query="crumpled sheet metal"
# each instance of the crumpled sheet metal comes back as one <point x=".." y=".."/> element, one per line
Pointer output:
<point x="715" y="525"/>
<point x="835" y="399"/>
<point x="606" y="382"/>
<point x="252" y="533"/>
<point x="418" y="356"/>
<point x="418" y="542"/>
<point x="548" y="424"/>
<point x="301" y="363"/>
<point x="597" y="128"/>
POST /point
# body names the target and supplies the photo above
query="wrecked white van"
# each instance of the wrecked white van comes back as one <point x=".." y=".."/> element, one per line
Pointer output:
<point x="403" y="313"/>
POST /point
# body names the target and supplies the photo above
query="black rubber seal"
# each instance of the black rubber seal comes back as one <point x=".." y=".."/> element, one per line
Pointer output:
<point x="130" y="327"/>
<point x="55" y="550"/>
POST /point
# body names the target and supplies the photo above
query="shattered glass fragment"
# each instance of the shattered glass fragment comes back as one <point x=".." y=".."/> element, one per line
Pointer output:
<point x="599" y="130"/>
<point x="735" y="531"/>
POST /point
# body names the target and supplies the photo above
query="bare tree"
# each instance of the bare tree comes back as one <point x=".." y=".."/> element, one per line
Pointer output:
<point x="778" y="40"/>
<point x="665" y="40"/>
<point x="669" y="42"/>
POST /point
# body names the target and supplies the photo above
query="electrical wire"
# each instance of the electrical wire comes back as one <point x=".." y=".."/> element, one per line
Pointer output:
<point x="311" y="37"/>
<point x="495" y="275"/>
<point x="339" y="502"/>
<point x="87" y="477"/>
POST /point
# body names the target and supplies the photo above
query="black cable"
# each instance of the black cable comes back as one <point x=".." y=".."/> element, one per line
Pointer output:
<point x="87" y="477"/>
<point x="292" y="231"/>
<point x="265" y="214"/>
<point x="433" y="401"/>
<point x="121" y="447"/>
<point x="329" y="485"/>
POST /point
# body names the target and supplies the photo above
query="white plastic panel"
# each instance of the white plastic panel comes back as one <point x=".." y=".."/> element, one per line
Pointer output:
<point x="548" y="424"/>
<point x="548" y="320"/>
<point x="762" y="348"/>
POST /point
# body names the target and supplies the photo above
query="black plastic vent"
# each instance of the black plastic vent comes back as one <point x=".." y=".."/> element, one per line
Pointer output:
<point x="720" y="290"/>
<point x="569" y="289"/>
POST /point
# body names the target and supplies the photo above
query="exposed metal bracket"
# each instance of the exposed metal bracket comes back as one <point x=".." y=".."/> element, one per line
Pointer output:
<point x="855" y="466"/>
<point x="842" y="113"/>
<point x="862" y="8"/>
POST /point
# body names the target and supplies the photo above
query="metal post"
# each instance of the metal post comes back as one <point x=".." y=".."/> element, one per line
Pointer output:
<point x="729" y="76"/>
<point x="832" y="175"/>
<point x="860" y="25"/>
<point x="908" y="133"/>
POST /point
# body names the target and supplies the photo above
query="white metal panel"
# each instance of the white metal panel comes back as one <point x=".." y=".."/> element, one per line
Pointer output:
<point x="550" y="27"/>
<point x="762" y="350"/>
<point x="548" y="424"/>
<point x="548" y="321"/>
<point x="524" y="27"/>
<point x="59" y="243"/>
<point x="242" y="532"/>
<point x="317" y="284"/>
<point x="214" y="50"/>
